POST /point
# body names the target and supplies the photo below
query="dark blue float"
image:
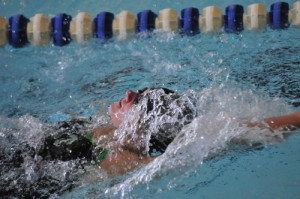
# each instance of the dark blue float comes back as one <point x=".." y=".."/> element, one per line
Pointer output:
<point x="17" y="31"/>
<point x="190" y="21"/>
<point x="233" y="19"/>
<point x="61" y="29"/>
<point x="279" y="15"/>
<point x="103" y="25"/>
<point x="146" y="21"/>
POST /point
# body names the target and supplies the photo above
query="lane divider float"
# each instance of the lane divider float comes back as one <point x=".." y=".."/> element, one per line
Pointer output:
<point x="17" y="36"/>
<point x="256" y="18"/>
<point x="103" y="28"/>
<point x="39" y="30"/>
<point x="233" y="19"/>
<point x="124" y="25"/>
<point x="146" y="21"/>
<point x="81" y="27"/>
<point x="190" y="21"/>
<point x="294" y="15"/>
<point x="211" y="21"/>
<point x="61" y="29"/>
<point x="168" y="20"/>
<point x="278" y="16"/>
<point x="3" y="28"/>
<point x="19" y="31"/>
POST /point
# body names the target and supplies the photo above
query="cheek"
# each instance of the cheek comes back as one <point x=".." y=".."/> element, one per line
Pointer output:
<point x="126" y="107"/>
<point x="117" y="119"/>
<point x="117" y="114"/>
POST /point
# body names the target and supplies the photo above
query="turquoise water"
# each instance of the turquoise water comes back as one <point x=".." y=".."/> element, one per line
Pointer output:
<point x="235" y="77"/>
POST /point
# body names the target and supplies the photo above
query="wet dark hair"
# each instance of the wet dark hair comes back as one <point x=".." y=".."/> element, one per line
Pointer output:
<point x="43" y="154"/>
<point x="165" y="113"/>
<point x="140" y="92"/>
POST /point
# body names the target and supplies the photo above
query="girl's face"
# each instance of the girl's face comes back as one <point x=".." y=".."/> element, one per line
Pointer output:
<point x="119" y="108"/>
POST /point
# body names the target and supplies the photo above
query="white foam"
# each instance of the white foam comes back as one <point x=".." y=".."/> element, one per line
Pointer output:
<point x="224" y="112"/>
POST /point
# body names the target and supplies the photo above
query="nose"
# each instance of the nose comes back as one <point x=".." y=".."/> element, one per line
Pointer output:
<point x="130" y="95"/>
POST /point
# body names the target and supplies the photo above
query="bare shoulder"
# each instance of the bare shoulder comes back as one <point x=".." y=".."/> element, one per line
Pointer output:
<point x="96" y="133"/>
<point x="123" y="162"/>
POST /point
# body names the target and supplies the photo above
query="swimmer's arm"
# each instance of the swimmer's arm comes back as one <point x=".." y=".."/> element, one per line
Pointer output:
<point x="289" y="122"/>
<point x="286" y="122"/>
<point x="123" y="162"/>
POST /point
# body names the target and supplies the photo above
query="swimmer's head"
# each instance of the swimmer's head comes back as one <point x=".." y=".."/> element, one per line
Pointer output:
<point x="119" y="108"/>
<point x="163" y="113"/>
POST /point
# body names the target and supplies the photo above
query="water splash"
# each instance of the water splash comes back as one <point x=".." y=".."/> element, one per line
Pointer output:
<point x="23" y="167"/>
<point x="223" y="114"/>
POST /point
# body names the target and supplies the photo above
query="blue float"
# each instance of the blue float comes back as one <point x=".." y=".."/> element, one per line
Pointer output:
<point x="233" y="19"/>
<point x="190" y="21"/>
<point x="279" y="15"/>
<point x="61" y="29"/>
<point x="146" y="21"/>
<point x="17" y="35"/>
<point x="103" y="25"/>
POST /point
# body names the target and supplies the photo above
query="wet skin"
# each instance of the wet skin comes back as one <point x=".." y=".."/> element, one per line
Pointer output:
<point x="125" y="160"/>
<point x="119" y="108"/>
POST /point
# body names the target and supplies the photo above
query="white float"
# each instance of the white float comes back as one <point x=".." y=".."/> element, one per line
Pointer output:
<point x="124" y="25"/>
<point x="81" y="27"/>
<point x="38" y="30"/>
<point x="168" y="20"/>
<point x="294" y="15"/>
<point x="256" y="18"/>
<point x="211" y="20"/>
<point x="3" y="29"/>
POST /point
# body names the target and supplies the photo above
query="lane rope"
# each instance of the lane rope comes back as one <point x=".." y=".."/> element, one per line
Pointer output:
<point x="40" y="30"/>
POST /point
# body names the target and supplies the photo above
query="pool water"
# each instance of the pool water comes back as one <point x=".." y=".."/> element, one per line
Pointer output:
<point x="235" y="78"/>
